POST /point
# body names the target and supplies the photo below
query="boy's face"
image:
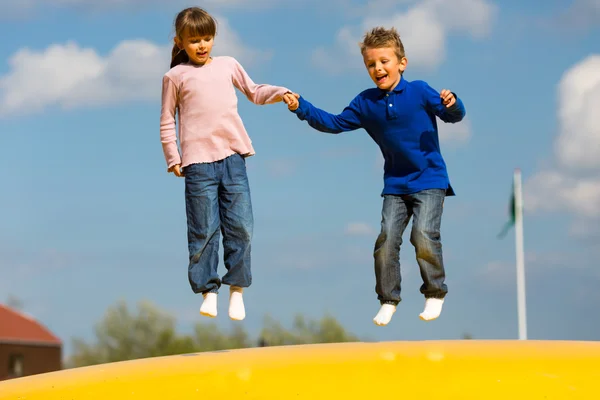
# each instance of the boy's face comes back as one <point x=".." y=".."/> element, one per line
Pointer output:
<point x="384" y="67"/>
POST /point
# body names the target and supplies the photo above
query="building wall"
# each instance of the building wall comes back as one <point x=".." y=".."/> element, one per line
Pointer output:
<point x="35" y="359"/>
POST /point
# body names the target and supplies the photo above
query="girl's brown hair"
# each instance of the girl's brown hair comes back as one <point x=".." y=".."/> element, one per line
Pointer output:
<point x="198" y="23"/>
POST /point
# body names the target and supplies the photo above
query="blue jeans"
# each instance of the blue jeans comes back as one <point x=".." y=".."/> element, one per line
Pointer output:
<point x="426" y="208"/>
<point x="217" y="199"/>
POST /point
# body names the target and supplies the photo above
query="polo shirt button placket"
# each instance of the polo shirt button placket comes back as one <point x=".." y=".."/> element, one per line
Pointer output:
<point x="390" y="110"/>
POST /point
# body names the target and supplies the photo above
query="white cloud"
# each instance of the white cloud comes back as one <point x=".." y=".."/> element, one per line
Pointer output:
<point x="578" y="144"/>
<point x="552" y="190"/>
<point x="423" y="27"/>
<point x="359" y="228"/>
<point x="68" y="75"/>
<point x="573" y="184"/>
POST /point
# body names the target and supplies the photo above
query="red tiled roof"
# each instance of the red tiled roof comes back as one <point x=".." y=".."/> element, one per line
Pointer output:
<point x="17" y="327"/>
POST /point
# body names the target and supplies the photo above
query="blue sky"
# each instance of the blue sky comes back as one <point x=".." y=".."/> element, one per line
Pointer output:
<point x="88" y="214"/>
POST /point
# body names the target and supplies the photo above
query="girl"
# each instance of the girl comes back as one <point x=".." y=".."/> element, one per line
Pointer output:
<point x="214" y="145"/>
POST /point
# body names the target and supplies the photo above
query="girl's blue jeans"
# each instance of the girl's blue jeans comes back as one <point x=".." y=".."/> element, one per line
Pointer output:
<point x="426" y="209"/>
<point x="217" y="199"/>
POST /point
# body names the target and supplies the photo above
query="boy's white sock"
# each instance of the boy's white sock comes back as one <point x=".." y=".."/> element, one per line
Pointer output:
<point x="209" y="305"/>
<point x="384" y="316"/>
<point x="237" y="311"/>
<point x="433" y="309"/>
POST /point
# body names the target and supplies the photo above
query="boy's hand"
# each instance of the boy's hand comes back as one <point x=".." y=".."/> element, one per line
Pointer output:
<point x="291" y="99"/>
<point x="176" y="169"/>
<point x="447" y="98"/>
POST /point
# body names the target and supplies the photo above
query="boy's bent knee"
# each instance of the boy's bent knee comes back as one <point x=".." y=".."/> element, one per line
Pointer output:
<point x="425" y="238"/>
<point x="381" y="239"/>
<point x="241" y="231"/>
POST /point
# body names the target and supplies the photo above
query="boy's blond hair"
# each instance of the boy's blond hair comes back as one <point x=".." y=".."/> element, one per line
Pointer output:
<point x="380" y="37"/>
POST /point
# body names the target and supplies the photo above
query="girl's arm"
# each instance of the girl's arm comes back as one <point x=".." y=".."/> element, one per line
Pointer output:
<point x="168" y="134"/>
<point x="260" y="94"/>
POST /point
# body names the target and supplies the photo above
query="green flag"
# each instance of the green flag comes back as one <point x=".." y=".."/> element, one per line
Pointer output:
<point x="511" y="212"/>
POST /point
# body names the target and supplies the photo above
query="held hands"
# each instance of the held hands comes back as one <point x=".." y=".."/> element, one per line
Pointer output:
<point x="176" y="169"/>
<point x="291" y="99"/>
<point x="448" y="98"/>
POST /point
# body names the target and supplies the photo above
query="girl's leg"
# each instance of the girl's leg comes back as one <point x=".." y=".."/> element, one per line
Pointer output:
<point x="426" y="237"/>
<point x="237" y="224"/>
<point x="395" y="215"/>
<point x="202" y="209"/>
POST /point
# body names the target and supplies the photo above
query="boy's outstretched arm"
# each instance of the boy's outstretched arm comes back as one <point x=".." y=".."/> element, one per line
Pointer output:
<point x="347" y="120"/>
<point x="442" y="104"/>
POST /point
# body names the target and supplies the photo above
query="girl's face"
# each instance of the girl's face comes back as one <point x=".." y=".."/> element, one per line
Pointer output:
<point x="198" y="48"/>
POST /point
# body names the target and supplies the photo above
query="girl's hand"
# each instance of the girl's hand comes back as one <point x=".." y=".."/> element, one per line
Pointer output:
<point x="447" y="98"/>
<point x="291" y="99"/>
<point x="176" y="169"/>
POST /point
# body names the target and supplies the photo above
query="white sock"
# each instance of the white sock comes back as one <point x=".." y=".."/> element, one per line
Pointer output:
<point x="209" y="305"/>
<point x="433" y="308"/>
<point x="384" y="316"/>
<point x="237" y="310"/>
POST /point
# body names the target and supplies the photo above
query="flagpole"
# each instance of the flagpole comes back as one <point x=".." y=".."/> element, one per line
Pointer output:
<point x="520" y="254"/>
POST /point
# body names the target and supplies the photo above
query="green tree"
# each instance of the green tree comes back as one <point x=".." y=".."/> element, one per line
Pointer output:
<point x="208" y="337"/>
<point x="125" y="334"/>
<point x="303" y="331"/>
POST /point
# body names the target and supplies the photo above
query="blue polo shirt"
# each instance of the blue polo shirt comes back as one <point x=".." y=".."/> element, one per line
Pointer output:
<point x="403" y="123"/>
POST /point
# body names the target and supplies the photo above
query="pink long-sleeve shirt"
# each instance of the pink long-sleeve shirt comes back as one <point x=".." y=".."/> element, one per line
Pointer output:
<point x="210" y="128"/>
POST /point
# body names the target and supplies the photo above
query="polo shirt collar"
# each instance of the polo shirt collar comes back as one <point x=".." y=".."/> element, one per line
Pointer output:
<point x="399" y="87"/>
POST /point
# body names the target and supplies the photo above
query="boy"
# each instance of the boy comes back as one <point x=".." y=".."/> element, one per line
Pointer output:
<point x="400" y="116"/>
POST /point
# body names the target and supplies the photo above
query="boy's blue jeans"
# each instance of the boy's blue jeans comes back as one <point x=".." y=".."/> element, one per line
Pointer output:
<point x="217" y="199"/>
<point x="426" y="209"/>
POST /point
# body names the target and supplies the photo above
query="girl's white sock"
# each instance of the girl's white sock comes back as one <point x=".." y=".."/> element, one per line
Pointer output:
<point x="384" y="316"/>
<point x="209" y="305"/>
<point x="237" y="311"/>
<point x="433" y="309"/>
